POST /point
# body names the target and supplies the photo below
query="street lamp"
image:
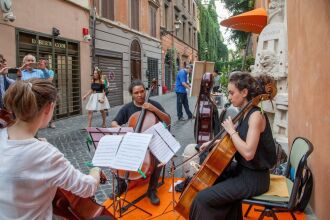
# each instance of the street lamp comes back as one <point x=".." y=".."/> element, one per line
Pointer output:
<point x="206" y="52"/>
<point x="164" y="31"/>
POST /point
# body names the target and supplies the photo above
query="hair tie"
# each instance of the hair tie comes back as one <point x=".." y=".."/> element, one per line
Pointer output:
<point x="30" y="84"/>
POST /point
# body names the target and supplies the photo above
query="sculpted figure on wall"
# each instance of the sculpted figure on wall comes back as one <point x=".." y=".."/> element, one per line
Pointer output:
<point x="276" y="11"/>
<point x="271" y="56"/>
<point x="268" y="63"/>
<point x="6" y="8"/>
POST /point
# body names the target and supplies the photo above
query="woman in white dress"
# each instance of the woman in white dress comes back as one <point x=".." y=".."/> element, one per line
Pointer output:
<point x="98" y="100"/>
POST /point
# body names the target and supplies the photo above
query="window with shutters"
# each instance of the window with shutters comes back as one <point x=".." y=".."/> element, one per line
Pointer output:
<point x="189" y="36"/>
<point x="189" y="6"/>
<point x="194" y="40"/>
<point x="183" y="31"/>
<point x="166" y="11"/>
<point x="194" y="10"/>
<point x="106" y="9"/>
<point x="135" y="14"/>
<point x="152" y="20"/>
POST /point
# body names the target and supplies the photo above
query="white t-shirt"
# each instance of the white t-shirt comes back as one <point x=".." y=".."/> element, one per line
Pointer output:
<point x="30" y="172"/>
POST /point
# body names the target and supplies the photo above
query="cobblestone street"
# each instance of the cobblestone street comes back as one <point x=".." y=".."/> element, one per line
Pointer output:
<point x="70" y="136"/>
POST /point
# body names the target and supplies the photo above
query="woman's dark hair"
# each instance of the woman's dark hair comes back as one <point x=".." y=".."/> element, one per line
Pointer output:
<point x="134" y="83"/>
<point x="99" y="73"/>
<point x="26" y="98"/>
<point x="254" y="85"/>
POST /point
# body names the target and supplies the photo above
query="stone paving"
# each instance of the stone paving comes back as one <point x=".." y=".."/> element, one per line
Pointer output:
<point x="70" y="137"/>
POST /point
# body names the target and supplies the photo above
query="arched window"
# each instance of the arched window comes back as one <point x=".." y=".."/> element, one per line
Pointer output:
<point x="135" y="60"/>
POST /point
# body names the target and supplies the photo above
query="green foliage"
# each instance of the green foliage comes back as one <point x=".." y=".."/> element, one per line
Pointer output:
<point x="237" y="7"/>
<point x="170" y="58"/>
<point x="209" y="37"/>
<point x="226" y="67"/>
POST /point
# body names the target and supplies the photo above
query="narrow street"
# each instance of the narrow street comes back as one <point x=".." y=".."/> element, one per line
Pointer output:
<point x="70" y="137"/>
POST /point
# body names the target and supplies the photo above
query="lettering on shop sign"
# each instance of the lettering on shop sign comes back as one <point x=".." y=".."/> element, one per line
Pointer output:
<point x="48" y="43"/>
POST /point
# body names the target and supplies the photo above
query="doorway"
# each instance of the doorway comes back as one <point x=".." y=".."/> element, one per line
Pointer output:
<point x="135" y="60"/>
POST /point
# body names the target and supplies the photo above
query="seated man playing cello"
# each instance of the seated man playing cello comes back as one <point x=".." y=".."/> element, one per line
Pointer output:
<point x="138" y="92"/>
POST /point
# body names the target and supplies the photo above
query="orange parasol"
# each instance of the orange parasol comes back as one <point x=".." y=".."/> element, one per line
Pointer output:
<point x="252" y="21"/>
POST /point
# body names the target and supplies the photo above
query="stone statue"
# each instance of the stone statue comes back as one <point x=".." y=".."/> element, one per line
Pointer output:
<point x="6" y="8"/>
<point x="276" y="11"/>
<point x="268" y="63"/>
<point x="272" y="59"/>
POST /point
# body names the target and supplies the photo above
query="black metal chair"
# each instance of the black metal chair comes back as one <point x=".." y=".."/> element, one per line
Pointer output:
<point x="299" y="190"/>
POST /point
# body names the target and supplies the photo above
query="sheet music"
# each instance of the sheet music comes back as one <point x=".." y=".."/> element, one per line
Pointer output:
<point x="119" y="129"/>
<point x="123" y="152"/>
<point x="106" y="150"/>
<point x="131" y="152"/>
<point x="163" y="145"/>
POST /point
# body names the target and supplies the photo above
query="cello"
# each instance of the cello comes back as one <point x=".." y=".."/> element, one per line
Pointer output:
<point x="220" y="156"/>
<point x="205" y="108"/>
<point x="65" y="203"/>
<point x="68" y="205"/>
<point x="141" y="121"/>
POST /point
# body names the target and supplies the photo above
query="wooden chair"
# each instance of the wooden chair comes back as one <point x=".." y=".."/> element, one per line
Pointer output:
<point x="299" y="181"/>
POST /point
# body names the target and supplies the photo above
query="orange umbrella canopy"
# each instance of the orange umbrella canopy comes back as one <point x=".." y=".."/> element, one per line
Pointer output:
<point x="252" y="21"/>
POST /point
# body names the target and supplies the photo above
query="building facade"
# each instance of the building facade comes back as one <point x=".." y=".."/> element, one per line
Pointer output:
<point x="41" y="29"/>
<point x="127" y="44"/>
<point x="179" y="28"/>
<point x="309" y="67"/>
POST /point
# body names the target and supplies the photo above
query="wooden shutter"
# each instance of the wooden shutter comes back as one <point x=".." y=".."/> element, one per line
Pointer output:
<point x="135" y="15"/>
<point x="108" y="9"/>
<point x="152" y="20"/>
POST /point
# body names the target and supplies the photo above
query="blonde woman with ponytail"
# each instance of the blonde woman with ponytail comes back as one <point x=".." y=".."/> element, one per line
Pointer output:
<point x="31" y="170"/>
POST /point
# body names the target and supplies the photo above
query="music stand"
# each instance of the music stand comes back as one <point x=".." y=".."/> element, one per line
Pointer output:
<point x="173" y="201"/>
<point x="96" y="134"/>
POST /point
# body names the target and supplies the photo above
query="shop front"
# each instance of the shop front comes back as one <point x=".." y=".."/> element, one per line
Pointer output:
<point x="63" y="56"/>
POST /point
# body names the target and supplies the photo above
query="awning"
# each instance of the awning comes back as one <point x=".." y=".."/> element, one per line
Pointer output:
<point x="252" y="21"/>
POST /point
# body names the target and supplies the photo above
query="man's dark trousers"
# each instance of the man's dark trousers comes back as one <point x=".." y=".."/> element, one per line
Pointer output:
<point x="182" y="99"/>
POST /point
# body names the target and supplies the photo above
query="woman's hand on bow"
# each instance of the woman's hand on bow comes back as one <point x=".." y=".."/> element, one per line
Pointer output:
<point x="228" y="125"/>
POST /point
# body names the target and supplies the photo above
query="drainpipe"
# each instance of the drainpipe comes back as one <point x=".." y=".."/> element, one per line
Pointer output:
<point x="93" y="34"/>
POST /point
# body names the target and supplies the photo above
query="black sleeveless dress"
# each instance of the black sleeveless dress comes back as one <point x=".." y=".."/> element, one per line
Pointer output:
<point x="242" y="179"/>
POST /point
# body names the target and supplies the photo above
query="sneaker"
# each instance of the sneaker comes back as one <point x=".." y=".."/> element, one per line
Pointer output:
<point x="120" y="189"/>
<point x="153" y="198"/>
<point x="182" y="119"/>
<point x="192" y="117"/>
<point x="52" y="125"/>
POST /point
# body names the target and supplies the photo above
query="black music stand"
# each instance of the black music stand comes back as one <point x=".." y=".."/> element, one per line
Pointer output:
<point x="173" y="201"/>
<point x="96" y="134"/>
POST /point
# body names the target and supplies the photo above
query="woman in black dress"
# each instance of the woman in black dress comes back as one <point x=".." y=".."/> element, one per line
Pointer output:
<point x="249" y="175"/>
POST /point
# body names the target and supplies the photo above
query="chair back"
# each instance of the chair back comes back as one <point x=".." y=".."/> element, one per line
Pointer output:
<point x="298" y="171"/>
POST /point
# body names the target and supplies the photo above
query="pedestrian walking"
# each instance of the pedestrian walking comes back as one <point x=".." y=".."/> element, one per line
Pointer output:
<point x="181" y="86"/>
<point x="97" y="100"/>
